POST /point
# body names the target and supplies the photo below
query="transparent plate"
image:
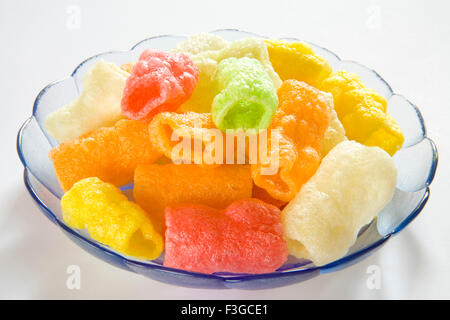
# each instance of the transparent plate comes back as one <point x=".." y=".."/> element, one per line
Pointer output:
<point x="416" y="161"/>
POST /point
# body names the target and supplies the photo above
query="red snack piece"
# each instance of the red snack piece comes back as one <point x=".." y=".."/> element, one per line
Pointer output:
<point x="159" y="81"/>
<point x="246" y="237"/>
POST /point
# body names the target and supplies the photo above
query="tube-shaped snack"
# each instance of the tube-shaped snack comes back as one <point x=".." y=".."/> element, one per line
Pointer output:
<point x="300" y="122"/>
<point x="158" y="186"/>
<point x="159" y="81"/>
<point x="247" y="98"/>
<point x="109" y="153"/>
<point x="363" y="113"/>
<point x="111" y="219"/>
<point x="210" y="51"/>
<point x="352" y="185"/>
<point x="186" y="137"/>
<point x="246" y="237"/>
<point x="297" y="60"/>
<point x="97" y="106"/>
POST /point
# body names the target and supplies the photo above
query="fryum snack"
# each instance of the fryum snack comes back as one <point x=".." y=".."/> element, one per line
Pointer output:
<point x="297" y="60"/>
<point x="210" y="141"/>
<point x="159" y="81"/>
<point x="301" y="120"/>
<point x="247" y="97"/>
<point x="246" y="237"/>
<point x="186" y="137"/>
<point x="97" y="106"/>
<point x="158" y="186"/>
<point x="211" y="50"/>
<point x="362" y="111"/>
<point x="352" y="185"/>
<point x="111" y="219"/>
<point x="109" y="153"/>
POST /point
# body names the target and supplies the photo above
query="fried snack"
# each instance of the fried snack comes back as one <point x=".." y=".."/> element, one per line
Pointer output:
<point x="263" y="195"/>
<point x="300" y="121"/>
<point x="297" y="60"/>
<point x="111" y="219"/>
<point x="209" y="53"/>
<point x="201" y="42"/>
<point x="352" y="185"/>
<point x="158" y="186"/>
<point x="159" y="81"/>
<point x="246" y="237"/>
<point x="247" y="98"/>
<point x="362" y="111"/>
<point x="176" y="135"/>
<point x="97" y="106"/>
<point x="109" y="153"/>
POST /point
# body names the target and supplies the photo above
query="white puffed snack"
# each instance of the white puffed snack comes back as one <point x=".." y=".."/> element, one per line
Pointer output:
<point x="207" y="51"/>
<point x="97" y="106"/>
<point x="350" y="187"/>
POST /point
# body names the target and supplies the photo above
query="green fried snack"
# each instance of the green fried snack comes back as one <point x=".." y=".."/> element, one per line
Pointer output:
<point x="247" y="97"/>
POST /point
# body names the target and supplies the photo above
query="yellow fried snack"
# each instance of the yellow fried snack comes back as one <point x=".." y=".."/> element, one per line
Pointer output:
<point x="111" y="219"/>
<point x="97" y="106"/>
<point x="158" y="186"/>
<point x="210" y="51"/>
<point x="352" y="185"/>
<point x="297" y="60"/>
<point x="362" y="112"/>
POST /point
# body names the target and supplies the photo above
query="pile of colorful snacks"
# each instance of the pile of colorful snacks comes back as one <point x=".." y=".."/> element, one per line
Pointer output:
<point x="311" y="164"/>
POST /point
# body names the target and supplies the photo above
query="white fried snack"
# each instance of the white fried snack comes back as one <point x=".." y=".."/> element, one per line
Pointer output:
<point x="97" y="106"/>
<point x="352" y="185"/>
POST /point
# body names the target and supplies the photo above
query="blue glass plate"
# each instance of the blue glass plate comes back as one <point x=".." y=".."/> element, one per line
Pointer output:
<point x="416" y="161"/>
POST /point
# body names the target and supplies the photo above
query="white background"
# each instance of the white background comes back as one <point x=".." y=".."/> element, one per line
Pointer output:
<point x="407" y="42"/>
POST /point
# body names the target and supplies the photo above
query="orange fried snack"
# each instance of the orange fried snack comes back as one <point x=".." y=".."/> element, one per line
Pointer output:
<point x="109" y="153"/>
<point x="158" y="186"/>
<point x="262" y="194"/>
<point x="176" y="136"/>
<point x="301" y="120"/>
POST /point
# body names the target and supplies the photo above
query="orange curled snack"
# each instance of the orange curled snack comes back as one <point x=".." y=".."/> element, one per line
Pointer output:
<point x="109" y="153"/>
<point x="168" y="130"/>
<point x="301" y="120"/>
<point x="158" y="186"/>
<point x="262" y="194"/>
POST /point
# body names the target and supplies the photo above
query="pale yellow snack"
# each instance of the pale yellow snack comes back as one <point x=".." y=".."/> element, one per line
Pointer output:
<point x="111" y="219"/>
<point x="97" y="106"/>
<point x="212" y="52"/>
<point x="352" y="185"/>
<point x="335" y="133"/>
<point x="201" y="42"/>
